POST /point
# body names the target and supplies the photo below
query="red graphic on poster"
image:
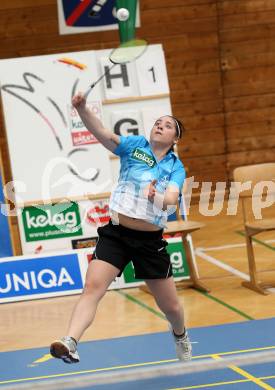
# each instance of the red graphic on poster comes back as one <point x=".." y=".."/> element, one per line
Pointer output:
<point x="38" y="249"/>
<point x="77" y="12"/>
<point x="80" y="134"/>
<point x="99" y="214"/>
<point x="89" y="258"/>
<point x="166" y="235"/>
<point x="69" y="61"/>
<point x="83" y="138"/>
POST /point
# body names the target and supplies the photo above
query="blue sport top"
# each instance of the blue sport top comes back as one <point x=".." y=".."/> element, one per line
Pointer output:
<point x="139" y="166"/>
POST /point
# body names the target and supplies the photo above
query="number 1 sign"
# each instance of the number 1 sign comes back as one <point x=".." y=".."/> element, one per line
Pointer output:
<point x="151" y="72"/>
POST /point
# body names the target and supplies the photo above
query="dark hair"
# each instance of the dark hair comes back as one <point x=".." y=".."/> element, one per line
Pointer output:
<point x="179" y="126"/>
<point x="180" y="129"/>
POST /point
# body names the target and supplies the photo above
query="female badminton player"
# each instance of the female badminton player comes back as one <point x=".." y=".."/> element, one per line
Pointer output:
<point x="150" y="182"/>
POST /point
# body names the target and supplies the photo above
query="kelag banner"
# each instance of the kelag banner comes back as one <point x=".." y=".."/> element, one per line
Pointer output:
<point x="51" y="221"/>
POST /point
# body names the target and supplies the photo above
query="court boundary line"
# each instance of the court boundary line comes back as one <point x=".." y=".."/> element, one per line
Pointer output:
<point x="230" y="246"/>
<point x="213" y="260"/>
<point x="208" y="295"/>
<point x="245" y="374"/>
<point x="113" y="368"/>
<point x="227" y="305"/>
<point x="260" y="242"/>
<point x="142" y="304"/>
<point x="214" y="384"/>
<point x="201" y="252"/>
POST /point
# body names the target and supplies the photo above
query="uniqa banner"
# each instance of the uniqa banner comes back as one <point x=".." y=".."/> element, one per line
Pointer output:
<point x="39" y="277"/>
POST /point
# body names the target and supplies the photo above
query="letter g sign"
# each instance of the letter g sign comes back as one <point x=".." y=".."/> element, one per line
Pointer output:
<point x="126" y="126"/>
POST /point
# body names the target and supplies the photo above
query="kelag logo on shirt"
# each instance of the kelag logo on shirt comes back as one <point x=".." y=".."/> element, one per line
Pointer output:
<point x="144" y="157"/>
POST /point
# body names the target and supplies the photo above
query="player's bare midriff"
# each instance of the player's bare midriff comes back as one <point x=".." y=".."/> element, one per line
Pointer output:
<point x="135" y="223"/>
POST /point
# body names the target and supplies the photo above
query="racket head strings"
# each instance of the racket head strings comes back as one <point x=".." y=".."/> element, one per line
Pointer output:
<point x="128" y="51"/>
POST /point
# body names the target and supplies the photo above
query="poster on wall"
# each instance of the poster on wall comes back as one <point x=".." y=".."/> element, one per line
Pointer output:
<point x="79" y="16"/>
<point x="69" y="162"/>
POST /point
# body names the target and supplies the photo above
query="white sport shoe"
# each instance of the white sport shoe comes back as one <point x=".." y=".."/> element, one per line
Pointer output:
<point x="65" y="349"/>
<point x="183" y="347"/>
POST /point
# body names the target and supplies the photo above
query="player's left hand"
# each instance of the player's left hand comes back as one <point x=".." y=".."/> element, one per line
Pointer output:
<point x="150" y="190"/>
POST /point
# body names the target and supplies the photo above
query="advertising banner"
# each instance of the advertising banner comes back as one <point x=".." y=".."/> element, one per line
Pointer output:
<point x="178" y="258"/>
<point x="51" y="221"/>
<point x="69" y="160"/>
<point x="80" y="134"/>
<point x="81" y="243"/>
<point x="61" y="226"/>
<point x="39" y="277"/>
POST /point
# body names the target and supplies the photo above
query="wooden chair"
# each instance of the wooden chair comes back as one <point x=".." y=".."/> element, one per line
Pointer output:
<point x="186" y="228"/>
<point x="255" y="174"/>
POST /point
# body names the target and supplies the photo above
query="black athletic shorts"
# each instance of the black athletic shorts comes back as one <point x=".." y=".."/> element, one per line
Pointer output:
<point x="118" y="245"/>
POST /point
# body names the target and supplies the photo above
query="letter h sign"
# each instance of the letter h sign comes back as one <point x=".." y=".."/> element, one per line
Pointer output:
<point x="123" y="75"/>
<point x="120" y="81"/>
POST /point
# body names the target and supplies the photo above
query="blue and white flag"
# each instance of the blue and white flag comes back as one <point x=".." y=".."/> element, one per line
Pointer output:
<point x="77" y="16"/>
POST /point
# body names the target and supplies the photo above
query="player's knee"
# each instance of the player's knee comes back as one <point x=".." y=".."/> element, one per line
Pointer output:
<point x="94" y="288"/>
<point x="173" y="309"/>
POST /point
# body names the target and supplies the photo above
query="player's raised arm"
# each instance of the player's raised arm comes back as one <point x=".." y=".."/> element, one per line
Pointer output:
<point x="93" y="124"/>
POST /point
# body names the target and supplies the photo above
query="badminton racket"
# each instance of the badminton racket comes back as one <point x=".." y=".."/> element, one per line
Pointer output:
<point x="126" y="52"/>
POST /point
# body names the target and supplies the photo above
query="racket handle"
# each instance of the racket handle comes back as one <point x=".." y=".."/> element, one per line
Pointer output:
<point x="87" y="92"/>
<point x="97" y="81"/>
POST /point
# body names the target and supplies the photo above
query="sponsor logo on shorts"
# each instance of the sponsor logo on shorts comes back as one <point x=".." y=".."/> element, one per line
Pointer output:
<point x="140" y="155"/>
